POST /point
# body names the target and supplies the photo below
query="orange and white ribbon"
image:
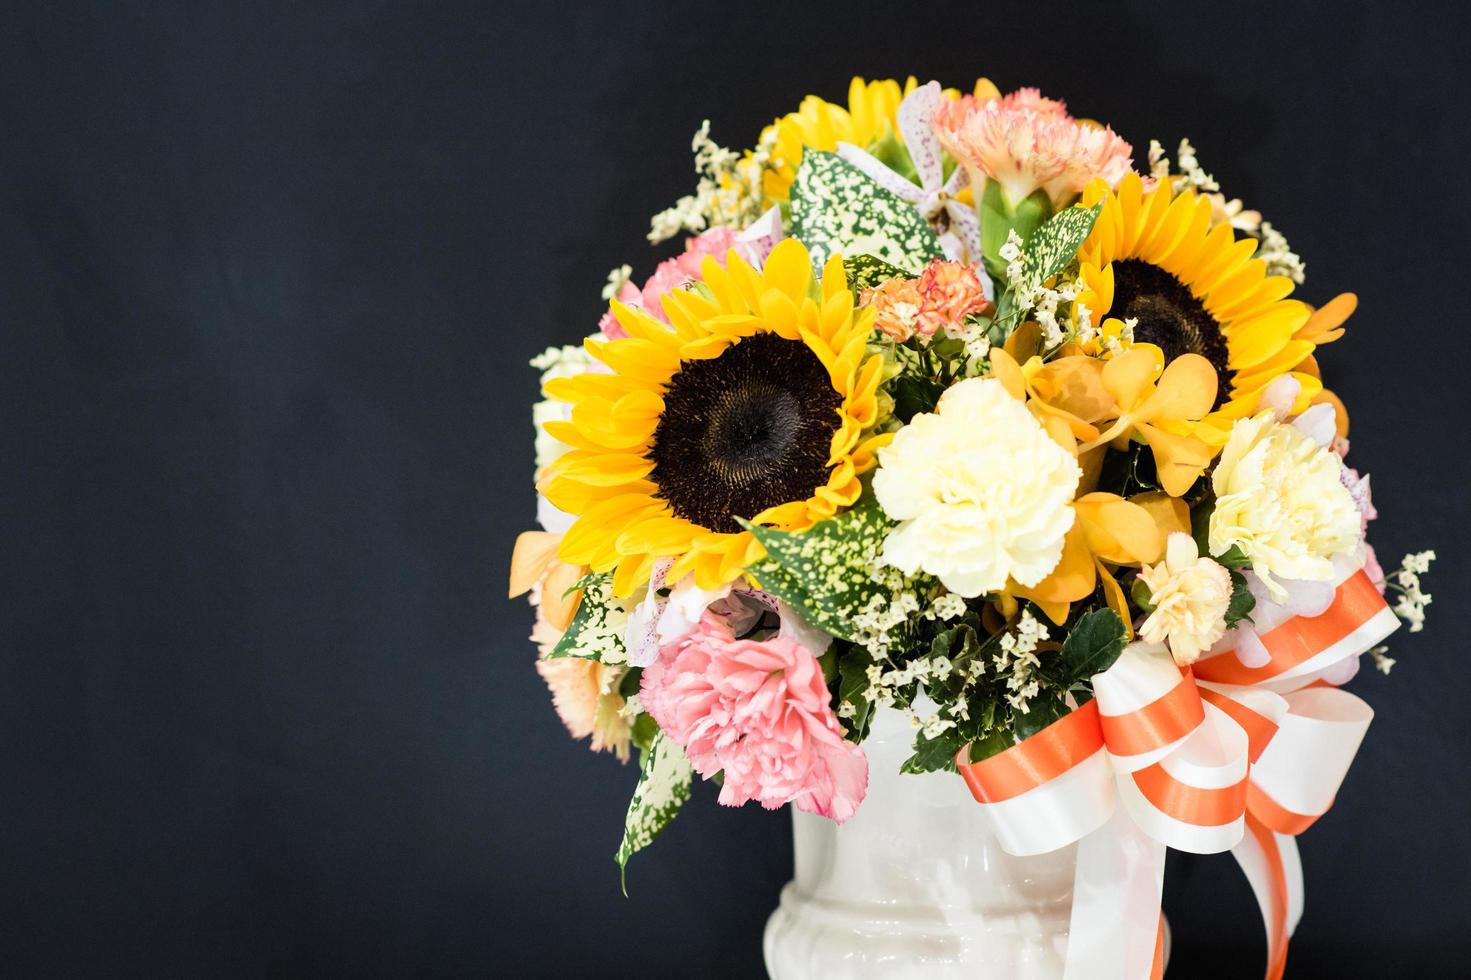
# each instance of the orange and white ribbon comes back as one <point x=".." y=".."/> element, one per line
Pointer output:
<point x="1223" y="757"/>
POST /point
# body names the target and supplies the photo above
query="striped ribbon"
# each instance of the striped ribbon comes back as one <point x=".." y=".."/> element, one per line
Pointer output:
<point x="1221" y="757"/>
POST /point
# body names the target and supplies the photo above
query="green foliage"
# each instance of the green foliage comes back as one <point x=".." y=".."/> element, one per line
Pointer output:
<point x="1045" y="253"/>
<point x="1242" y="601"/>
<point x="591" y="634"/>
<point x="836" y="208"/>
<point x="663" y="786"/>
<point x="934" y="754"/>
<point x="852" y="683"/>
<point x="1041" y="712"/>
<point x="913" y="395"/>
<point x="1091" y="647"/>
<point x="824" y="572"/>
<point x="999" y="215"/>
<point x="867" y="271"/>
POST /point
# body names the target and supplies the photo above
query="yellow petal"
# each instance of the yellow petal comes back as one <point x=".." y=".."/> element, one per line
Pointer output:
<point x="1005" y="369"/>
<point x="1118" y="531"/>
<point x="1129" y="376"/>
<point x="1170" y="513"/>
<point x="788" y="269"/>
<point x="1186" y="390"/>
<point x="632" y="571"/>
<point x="1113" y="594"/>
<point x="1179" y="460"/>
<point x="558" y="602"/>
<point x="1074" y="385"/>
<point x="834" y="278"/>
<point x="1326" y="323"/>
<point x="534" y="550"/>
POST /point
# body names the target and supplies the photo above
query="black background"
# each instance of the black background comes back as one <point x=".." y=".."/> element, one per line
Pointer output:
<point x="269" y="279"/>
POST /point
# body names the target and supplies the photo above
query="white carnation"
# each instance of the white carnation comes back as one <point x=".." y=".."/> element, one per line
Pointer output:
<point x="981" y="492"/>
<point x="1279" y="498"/>
<point x="1190" y="595"/>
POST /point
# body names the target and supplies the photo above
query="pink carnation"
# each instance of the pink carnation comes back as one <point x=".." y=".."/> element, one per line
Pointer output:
<point x="671" y="274"/>
<point x="1024" y="141"/>
<point x="759" y="712"/>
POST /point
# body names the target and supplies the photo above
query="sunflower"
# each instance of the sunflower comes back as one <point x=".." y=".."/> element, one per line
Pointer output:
<point x="870" y="116"/>
<point x="751" y="404"/>
<point x="1154" y="259"/>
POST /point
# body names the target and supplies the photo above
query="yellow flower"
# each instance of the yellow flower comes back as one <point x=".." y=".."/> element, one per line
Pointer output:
<point x="1281" y="500"/>
<point x="1155" y="400"/>
<point x="1154" y="266"/>
<point x="870" y="116"/>
<point x="1109" y="530"/>
<point x="1190" y="595"/>
<point x="1136" y="392"/>
<point x="753" y="404"/>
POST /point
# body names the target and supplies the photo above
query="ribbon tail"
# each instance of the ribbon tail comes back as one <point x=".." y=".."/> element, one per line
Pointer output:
<point x="1115" y="931"/>
<point x="1272" y="868"/>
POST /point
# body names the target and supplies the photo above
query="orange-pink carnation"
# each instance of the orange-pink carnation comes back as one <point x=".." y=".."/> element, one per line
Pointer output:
<point x="943" y="296"/>
<point x="1025" y="141"/>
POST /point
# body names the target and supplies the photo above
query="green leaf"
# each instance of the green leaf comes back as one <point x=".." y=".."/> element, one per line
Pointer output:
<point x="914" y="395"/>
<point x="663" y="786"/>
<point x="1242" y="601"/>
<point x="824" y="572"/>
<point x="645" y="730"/>
<point x="852" y="683"/>
<point x="1094" y="643"/>
<point x="1049" y="250"/>
<point x="934" y="754"/>
<point x="999" y="215"/>
<point x="836" y="208"/>
<point x="1143" y="598"/>
<point x="593" y="634"/>
<point x="866" y="271"/>
<point x="994" y="742"/>
<point x="1041" y="712"/>
<point x="1055" y="244"/>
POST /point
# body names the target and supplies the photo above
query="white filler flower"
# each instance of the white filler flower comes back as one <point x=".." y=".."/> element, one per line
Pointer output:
<point x="1280" y="500"/>
<point x="1190" y="595"/>
<point x="981" y="492"/>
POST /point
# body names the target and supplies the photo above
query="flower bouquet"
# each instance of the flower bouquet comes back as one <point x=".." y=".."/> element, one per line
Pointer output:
<point x="950" y="411"/>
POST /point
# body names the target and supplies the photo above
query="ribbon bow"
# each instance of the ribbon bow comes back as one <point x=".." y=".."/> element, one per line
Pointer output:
<point x="935" y="196"/>
<point x="1221" y="757"/>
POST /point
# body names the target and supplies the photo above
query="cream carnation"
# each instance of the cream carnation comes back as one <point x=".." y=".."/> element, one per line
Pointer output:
<point x="1190" y="595"/>
<point x="1280" y="499"/>
<point x="981" y="492"/>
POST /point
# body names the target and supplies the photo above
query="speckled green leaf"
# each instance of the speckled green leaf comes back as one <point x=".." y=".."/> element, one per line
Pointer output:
<point x="593" y="634"/>
<point x="836" y="209"/>
<point x="866" y="271"/>
<point x="824" y="572"/>
<point x="1046" y="253"/>
<point x="663" y="786"/>
<point x="1053" y="246"/>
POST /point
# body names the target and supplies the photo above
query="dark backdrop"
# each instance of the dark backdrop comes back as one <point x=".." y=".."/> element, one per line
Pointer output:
<point x="269" y="279"/>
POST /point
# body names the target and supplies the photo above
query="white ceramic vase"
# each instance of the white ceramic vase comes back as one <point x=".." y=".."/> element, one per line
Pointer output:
<point x="915" y="885"/>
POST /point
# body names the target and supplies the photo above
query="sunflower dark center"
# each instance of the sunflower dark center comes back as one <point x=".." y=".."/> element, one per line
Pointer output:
<point x="1169" y="315"/>
<point x="744" y="431"/>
